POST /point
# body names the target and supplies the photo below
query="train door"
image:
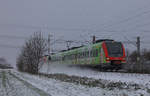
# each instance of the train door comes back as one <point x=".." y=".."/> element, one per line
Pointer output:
<point x="101" y="55"/>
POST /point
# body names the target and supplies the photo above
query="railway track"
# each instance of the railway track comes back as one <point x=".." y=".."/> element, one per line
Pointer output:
<point x="11" y="85"/>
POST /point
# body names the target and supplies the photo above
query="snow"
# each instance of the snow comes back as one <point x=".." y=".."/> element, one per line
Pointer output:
<point x="143" y="79"/>
<point x="10" y="86"/>
<point x="58" y="88"/>
<point x="55" y="87"/>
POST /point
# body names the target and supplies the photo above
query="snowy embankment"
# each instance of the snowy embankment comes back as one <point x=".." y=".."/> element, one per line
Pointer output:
<point x="11" y="86"/>
<point x="142" y="79"/>
<point x="59" y="88"/>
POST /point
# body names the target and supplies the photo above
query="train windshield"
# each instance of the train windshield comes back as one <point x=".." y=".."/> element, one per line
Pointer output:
<point x="114" y="49"/>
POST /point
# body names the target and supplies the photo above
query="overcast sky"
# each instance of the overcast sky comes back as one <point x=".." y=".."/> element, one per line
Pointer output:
<point x="72" y="20"/>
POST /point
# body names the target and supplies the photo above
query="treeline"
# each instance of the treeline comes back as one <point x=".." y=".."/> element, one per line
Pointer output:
<point x="138" y="67"/>
<point x="29" y="57"/>
<point x="145" y="56"/>
<point x="4" y="64"/>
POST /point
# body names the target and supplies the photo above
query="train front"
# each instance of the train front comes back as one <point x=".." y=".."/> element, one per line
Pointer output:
<point x="115" y="54"/>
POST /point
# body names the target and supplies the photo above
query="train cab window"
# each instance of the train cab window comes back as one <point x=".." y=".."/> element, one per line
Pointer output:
<point x="114" y="49"/>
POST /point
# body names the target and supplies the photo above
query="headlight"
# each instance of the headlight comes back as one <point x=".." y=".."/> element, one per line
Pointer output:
<point x="123" y="58"/>
<point x="107" y="59"/>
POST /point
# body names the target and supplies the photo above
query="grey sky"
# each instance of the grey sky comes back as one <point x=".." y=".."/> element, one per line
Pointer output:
<point x="70" y="18"/>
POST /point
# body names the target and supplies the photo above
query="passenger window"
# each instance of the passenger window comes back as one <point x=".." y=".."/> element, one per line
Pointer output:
<point x="91" y="54"/>
<point x="96" y="52"/>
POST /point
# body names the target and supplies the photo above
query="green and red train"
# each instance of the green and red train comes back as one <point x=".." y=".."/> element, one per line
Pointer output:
<point x="106" y="54"/>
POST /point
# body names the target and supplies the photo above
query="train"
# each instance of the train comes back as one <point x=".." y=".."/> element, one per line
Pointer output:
<point x="104" y="54"/>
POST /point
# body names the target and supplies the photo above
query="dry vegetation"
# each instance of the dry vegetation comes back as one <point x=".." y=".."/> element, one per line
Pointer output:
<point x="32" y="51"/>
<point x="133" y="66"/>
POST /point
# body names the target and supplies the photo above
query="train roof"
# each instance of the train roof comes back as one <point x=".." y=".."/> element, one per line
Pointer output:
<point x="75" y="47"/>
<point x="101" y="40"/>
<point x="78" y="47"/>
<point x="97" y="41"/>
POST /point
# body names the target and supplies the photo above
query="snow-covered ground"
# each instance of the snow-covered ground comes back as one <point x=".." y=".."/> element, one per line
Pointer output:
<point x="58" y="88"/>
<point x="10" y="86"/>
<point x="14" y="83"/>
<point x="143" y="79"/>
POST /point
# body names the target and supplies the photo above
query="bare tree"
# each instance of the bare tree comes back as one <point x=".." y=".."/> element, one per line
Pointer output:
<point x="19" y="63"/>
<point x="31" y="53"/>
<point x="133" y="56"/>
<point x="146" y="55"/>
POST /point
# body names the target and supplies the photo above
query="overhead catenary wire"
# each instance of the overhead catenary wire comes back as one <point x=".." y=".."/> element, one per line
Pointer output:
<point x="76" y="29"/>
<point x="64" y="41"/>
<point x="126" y="19"/>
<point x="10" y="46"/>
<point x="128" y="12"/>
<point x="107" y="25"/>
<point x="12" y="37"/>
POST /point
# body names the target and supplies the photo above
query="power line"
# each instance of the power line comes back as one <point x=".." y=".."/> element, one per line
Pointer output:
<point x="12" y="37"/>
<point x="132" y="28"/>
<point x="122" y="21"/>
<point x="10" y="46"/>
<point x="42" y="27"/>
<point x="69" y="29"/>
<point x="79" y="29"/>
<point x="134" y="11"/>
<point x="127" y="19"/>
<point x="137" y="26"/>
<point x="20" y="26"/>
